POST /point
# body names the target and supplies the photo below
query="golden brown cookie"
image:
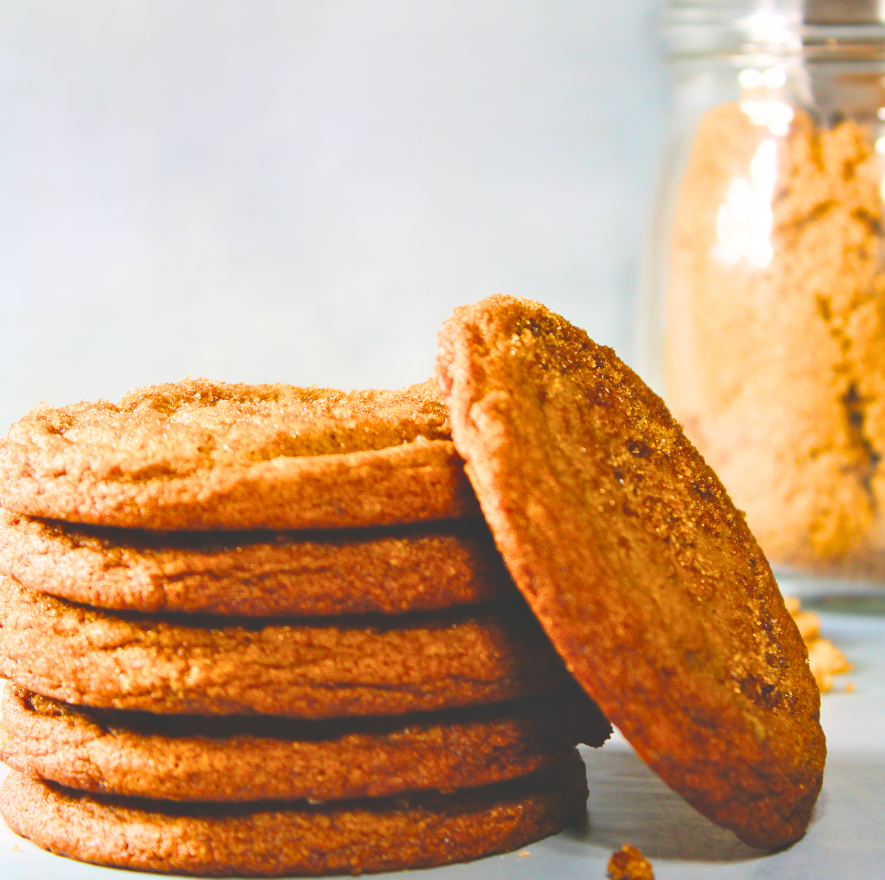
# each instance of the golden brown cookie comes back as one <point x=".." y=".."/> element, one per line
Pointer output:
<point x="296" y="838"/>
<point x="317" y="668"/>
<point x="236" y="758"/>
<point x="300" y="574"/>
<point x="637" y="564"/>
<point x="206" y="455"/>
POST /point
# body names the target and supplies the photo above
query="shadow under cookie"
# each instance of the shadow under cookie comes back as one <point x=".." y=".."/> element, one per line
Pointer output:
<point x="318" y="668"/>
<point x="277" y="838"/>
<point x="255" y="573"/>
<point x="235" y="758"/>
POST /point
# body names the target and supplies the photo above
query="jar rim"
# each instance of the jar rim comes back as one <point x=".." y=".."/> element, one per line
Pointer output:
<point x="824" y="28"/>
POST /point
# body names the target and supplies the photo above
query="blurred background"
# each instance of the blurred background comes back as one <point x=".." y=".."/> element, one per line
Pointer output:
<point x="301" y="192"/>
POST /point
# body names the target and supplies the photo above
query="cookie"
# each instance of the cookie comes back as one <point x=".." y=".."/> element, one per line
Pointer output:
<point x="194" y="758"/>
<point x="391" y="571"/>
<point x="205" y="455"/>
<point x="640" y="569"/>
<point x="322" y="668"/>
<point x="284" y="838"/>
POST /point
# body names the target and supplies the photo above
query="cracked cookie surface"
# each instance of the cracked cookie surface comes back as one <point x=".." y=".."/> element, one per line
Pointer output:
<point x="276" y="838"/>
<point x="208" y="455"/>
<point x="390" y="571"/>
<point x="235" y="758"/>
<point x="315" y="668"/>
<point x="642" y="572"/>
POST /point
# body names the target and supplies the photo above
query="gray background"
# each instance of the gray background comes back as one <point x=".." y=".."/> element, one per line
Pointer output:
<point x="301" y="191"/>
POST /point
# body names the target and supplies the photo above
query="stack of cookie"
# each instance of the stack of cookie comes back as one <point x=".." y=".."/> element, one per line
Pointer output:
<point x="263" y="630"/>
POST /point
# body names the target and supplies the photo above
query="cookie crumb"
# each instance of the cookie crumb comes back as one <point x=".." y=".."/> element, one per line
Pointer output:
<point x="523" y="854"/>
<point x="825" y="658"/>
<point x="15" y="849"/>
<point x="849" y="688"/>
<point x="628" y="863"/>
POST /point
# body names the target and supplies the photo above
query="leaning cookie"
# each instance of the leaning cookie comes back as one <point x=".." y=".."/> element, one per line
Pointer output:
<point x="204" y="455"/>
<point x="363" y="571"/>
<point x="641" y="570"/>
<point x="353" y="837"/>
<point x="312" y="669"/>
<point x="236" y="758"/>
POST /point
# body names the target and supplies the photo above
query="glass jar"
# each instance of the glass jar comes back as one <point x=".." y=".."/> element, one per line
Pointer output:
<point x="764" y="285"/>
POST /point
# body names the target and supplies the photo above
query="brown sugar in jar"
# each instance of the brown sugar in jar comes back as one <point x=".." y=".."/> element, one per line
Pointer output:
<point x="767" y="291"/>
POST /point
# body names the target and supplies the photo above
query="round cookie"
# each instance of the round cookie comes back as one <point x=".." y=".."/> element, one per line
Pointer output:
<point x="638" y="566"/>
<point x="316" y="669"/>
<point x="390" y="571"/>
<point x="343" y="837"/>
<point x="205" y="455"/>
<point x="194" y="758"/>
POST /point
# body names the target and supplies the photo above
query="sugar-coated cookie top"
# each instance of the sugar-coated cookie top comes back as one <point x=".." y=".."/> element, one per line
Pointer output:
<point x="177" y="429"/>
<point x="206" y="455"/>
<point x="642" y="572"/>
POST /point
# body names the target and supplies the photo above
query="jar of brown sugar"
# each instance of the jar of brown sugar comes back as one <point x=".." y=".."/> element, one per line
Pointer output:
<point x="764" y="289"/>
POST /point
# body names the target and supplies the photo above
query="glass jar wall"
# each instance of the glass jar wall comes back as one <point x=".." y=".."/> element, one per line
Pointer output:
<point x="765" y="284"/>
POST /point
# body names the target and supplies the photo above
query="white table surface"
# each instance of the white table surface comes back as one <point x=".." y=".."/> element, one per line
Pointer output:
<point x="628" y="804"/>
